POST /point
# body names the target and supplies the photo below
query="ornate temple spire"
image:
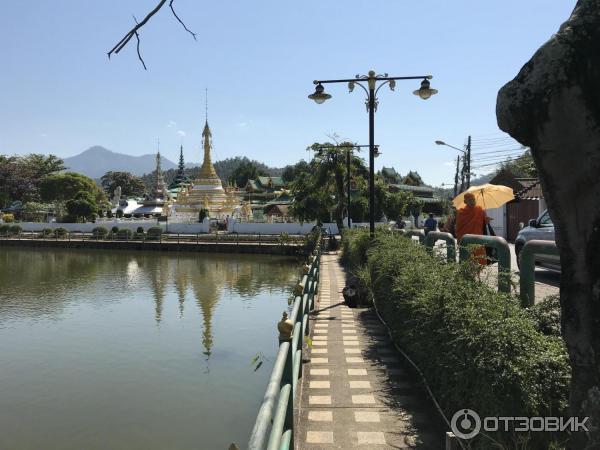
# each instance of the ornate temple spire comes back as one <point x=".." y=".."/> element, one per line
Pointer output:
<point x="207" y="171"/>
<point x="159" y="182"/>
<point x="181" y="167"/>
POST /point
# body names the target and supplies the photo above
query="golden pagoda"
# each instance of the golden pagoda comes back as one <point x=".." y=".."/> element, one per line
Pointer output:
<point x="206" y="191"/>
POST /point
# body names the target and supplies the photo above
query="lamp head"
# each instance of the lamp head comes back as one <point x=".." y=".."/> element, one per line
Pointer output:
<point x="319" y="96"/>
<point x="440" y="142"/>
<point x="425" y="91"/>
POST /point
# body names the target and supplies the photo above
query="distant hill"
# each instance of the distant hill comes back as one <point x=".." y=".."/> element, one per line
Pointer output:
<point x="96" y="161"/>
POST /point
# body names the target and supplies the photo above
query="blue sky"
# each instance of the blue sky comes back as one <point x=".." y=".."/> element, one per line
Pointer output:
<point x="60" y="94"/>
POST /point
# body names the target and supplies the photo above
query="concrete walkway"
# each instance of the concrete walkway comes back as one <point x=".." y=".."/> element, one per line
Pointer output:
<point x="356" y="390"/>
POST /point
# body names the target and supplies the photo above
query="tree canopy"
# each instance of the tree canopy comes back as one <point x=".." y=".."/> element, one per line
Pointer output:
<point x="65" y="186"/>
<point x="21" y="176"/>
<point x="131" y="185"/>
<point x="247" y="170"/>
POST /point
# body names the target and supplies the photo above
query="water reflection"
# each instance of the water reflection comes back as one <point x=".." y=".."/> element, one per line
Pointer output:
<point x="38" y="282"/>
<point x="131" y="338"/>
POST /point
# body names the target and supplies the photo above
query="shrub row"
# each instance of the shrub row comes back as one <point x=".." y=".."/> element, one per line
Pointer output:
<point x="477" y="348"/>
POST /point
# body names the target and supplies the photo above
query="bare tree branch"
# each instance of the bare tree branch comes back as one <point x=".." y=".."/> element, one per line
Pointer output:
<point x="134" y="31"/>
<point x="179" y="20"/>
<point x="137" y="36"/>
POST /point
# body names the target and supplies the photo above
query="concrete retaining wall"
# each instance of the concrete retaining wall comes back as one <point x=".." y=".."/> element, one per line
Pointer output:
<point x="190" y="228"/>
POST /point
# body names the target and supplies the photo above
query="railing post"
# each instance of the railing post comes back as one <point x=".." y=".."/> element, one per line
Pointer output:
<point x="497" y="242"/>
<point x="527" y="268"/>
<point x="433" y="236"/>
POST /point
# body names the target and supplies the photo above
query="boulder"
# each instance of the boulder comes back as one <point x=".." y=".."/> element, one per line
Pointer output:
<point x="553" y="107"/>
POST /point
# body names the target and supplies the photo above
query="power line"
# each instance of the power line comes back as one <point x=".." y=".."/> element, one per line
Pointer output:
<point x="507" y="150"/>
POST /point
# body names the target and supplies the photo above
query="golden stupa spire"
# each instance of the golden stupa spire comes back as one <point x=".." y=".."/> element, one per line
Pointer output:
<point x="207" y="171"/>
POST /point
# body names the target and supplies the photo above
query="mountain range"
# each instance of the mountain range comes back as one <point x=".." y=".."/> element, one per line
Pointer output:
<point x="96" y="161"/>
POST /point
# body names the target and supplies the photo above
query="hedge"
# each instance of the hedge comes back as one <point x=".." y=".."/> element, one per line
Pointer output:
<point x="477" y="348"/>
<point x="60" y="232"/>
<point x="124" y="233"/>
<point x="4" y="228"/>
<point x="154" y="232"/>
<point x="100" y="232"/>
<point x="15" y="229"/>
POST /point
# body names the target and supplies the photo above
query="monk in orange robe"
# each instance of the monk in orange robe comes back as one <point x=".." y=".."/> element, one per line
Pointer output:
<point x="470" y="219"/>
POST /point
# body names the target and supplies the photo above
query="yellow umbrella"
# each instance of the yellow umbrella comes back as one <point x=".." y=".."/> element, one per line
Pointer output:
<point x="487" y="196"/>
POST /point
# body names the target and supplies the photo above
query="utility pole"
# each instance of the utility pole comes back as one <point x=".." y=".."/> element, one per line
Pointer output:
<point x="456" y="176"/>
<point x="468" y="163"/>
<point x="463" y="171"/>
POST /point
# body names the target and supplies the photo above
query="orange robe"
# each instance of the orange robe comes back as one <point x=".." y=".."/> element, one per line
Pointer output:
<point x="470" y="220"/>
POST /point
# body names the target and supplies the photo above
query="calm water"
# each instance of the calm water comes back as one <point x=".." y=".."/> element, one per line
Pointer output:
<point x="114" y="350"/>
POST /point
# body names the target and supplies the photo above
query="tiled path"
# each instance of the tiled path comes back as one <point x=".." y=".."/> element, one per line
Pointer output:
<point x="356" y="392"/>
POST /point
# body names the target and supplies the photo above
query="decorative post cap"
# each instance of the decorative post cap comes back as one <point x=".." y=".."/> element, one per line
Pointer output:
<point x="305" y="269"/>
<point x="285" y="328"/>
<point x="298" y="289"/>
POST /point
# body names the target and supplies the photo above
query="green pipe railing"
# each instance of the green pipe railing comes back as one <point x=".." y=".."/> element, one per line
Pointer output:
<point x="527" y="268"/>
<point x="433" y="236"/>
<point x="419" y="233"/>
<point x="274" y="426"/>
<point x="502" y="248"/>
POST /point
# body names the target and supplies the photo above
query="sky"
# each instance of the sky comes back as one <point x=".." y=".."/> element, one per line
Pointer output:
<point x="60" y="94"/>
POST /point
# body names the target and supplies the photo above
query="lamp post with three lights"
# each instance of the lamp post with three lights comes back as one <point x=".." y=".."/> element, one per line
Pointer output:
<point x="374" y="83"/>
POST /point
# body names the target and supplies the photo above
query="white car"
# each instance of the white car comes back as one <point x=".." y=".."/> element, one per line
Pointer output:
<point x="542" y="229"/>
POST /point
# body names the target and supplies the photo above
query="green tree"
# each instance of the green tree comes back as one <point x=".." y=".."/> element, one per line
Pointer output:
<point x="131" y="185"/>
<point x="82" y="206"/>
<point x="320" y="186"/>
<point x="20" y="176"/>
<point x="65" y="186"/>
<point x="247" y="170"/>
<point x="290" y="172"/>
<point x="523" y="166"/>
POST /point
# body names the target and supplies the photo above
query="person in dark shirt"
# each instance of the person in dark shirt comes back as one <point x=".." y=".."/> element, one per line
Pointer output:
<point x="430" y="224"/>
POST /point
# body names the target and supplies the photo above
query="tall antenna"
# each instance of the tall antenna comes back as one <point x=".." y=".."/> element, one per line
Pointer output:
<point x="158" y="145"/>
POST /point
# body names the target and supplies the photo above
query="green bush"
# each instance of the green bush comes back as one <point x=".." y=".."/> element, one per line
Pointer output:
<point x="355" y="244"/>
<point x="477" y="348"/>
<point x="100" y="232"/>
<point x="4" y="228"/>
<point x="60" y="232"/>
<point x="154" y="232"/>
<point x="124" y="233"/>
<point x="140" y="230"/>
<point x="47" y="231"/>
<point x="114" y="230"/>
<point x="15" y="229"/>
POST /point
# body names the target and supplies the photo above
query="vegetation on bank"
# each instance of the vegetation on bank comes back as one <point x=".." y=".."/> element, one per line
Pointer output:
<point x="477" y="348"/>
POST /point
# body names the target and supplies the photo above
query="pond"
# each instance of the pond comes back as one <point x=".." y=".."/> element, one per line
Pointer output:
<point x="117" y="350"/>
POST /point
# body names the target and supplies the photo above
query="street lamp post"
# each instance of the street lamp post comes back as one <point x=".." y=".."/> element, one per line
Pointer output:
<point x="466" y="159"/>
<point x="349" y="149"/>
<point x="319" y="96"/>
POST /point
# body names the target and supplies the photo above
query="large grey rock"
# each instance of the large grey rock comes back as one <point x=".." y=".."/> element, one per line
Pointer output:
<point x="553" y="106"/>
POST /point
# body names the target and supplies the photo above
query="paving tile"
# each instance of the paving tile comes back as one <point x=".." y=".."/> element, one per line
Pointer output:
<point x="320" y="416"/>
<point x="319" y="400"/>
<point x="319" y="360"/>
<point x="357" y="372"/>
<point x="314" y="384"/>
<point x="319" y="372"/>
<point x="370" y="438"/>
<point x="367" y="416"/>
<point x="319" y="437"/>
<point x="354" y="360"/>
<point x="365" y="399"/>
<point x="359" y="384"/>
<point x="315" y="351"/>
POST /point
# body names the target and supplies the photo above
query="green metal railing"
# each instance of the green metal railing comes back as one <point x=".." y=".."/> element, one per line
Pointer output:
<point x="501" y="246"/>
<point x="419" y="233"/>
<point x="433" y="236"/>
<point x="274" y="426"/>
<point x="527" y="268"/>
